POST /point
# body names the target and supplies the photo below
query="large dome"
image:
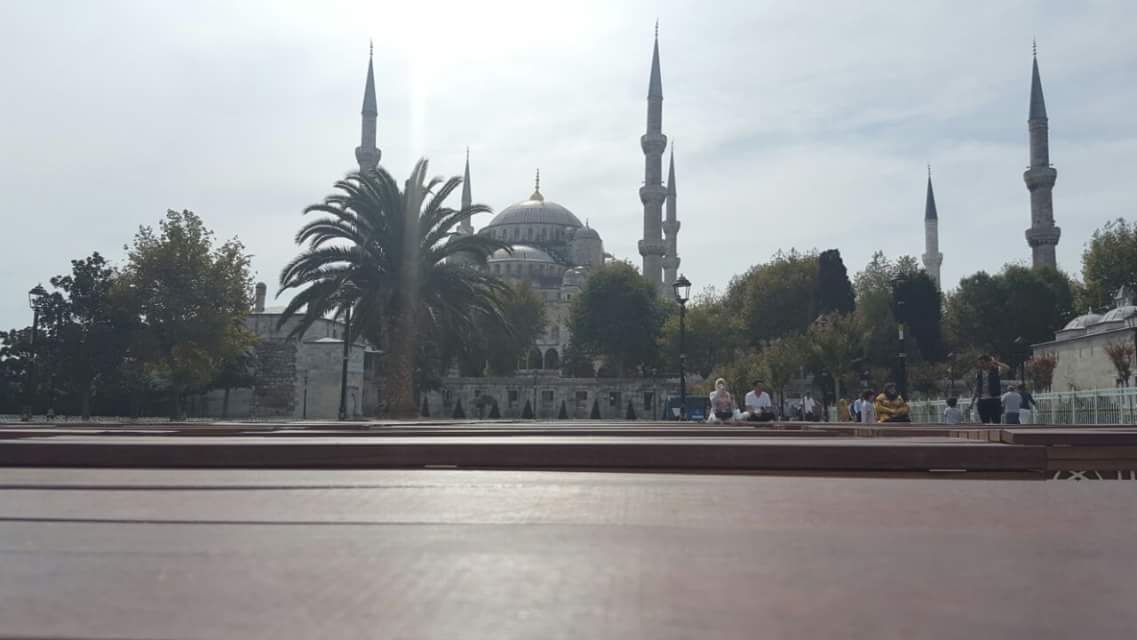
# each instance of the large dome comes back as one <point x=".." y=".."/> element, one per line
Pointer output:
<point x="521" y="253"/>
<point x="535" y="210"/>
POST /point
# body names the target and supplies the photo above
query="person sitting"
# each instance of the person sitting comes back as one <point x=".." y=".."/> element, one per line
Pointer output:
<point x="758" y="405"/>
<point x="722" y="403"/>
<point x="952" y="414"/>
<point x="890" y="405"/>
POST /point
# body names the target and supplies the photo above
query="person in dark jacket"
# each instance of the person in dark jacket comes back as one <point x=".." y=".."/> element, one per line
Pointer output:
<point x="989" y="389"/>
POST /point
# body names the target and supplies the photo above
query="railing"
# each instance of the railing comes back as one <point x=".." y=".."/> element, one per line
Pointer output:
<point x="1092" y="406"/>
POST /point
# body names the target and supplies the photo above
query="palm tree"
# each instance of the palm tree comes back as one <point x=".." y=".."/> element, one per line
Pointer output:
<point x="400" y="280"/>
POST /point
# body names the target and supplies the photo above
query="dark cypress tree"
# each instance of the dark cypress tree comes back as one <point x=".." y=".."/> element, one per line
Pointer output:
<point x="595" y="415"/>
<point x="495" y="413"/>
<point x="630" y="414"/>
<point x="527" y="413"/>
<point x="834" y="291"/>
<point x="563" y="414"/>
<point x="425" y="412"/>
<point x="459" y="414"/>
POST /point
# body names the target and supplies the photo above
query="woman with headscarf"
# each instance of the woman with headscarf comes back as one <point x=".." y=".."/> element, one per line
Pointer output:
<point x="722" y="403"/>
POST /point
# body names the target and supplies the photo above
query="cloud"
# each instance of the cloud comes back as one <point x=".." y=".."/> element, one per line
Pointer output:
<point x="796" y="125"/>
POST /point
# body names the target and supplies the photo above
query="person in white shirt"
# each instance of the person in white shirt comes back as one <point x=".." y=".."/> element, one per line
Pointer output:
<point x="952" y="414"/>
<point x="758" y="405"/>
<point x="857" y="409"/>
<point x="809" y="408"/>
<point x="868" y="410"/>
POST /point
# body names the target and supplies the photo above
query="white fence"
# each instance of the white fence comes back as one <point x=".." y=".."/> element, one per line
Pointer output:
<point x="1093" y="406"/>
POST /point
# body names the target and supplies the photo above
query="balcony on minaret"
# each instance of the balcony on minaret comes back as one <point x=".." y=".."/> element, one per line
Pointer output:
<point x="651" y="247"/>
<point x="653" y="193"/>
<point x="671" y="227"/>
<point x="671" y="263"/>
<point x="367" y="158"/>
<point x="1046" y="235"/>
<point x="1036" y="177"/>
<point x="653" y="143"/>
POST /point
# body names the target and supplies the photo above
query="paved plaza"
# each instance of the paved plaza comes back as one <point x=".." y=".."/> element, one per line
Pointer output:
<point x="557" y="531"/>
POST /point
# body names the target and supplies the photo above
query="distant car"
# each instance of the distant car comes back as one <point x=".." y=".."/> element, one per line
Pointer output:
<point x="697" y="408"/>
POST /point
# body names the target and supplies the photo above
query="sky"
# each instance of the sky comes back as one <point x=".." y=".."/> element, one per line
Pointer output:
<point x="803" y="125"/>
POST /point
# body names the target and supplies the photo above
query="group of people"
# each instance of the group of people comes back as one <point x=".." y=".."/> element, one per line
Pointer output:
<point x="757" y="404"/>
<point x="994" y="405"/>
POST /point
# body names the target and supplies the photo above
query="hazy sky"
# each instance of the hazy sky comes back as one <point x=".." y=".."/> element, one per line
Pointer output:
<point x="798" y="124"/>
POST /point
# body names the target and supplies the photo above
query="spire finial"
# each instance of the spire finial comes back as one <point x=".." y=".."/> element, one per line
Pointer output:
<point x="537" y="188"/>
<point x="929" y="170"/>
<point x="370" y="48"/>
<point x="1034" y="46"/>
<point x="467" y="154"/>
<point x="657" y="28"/>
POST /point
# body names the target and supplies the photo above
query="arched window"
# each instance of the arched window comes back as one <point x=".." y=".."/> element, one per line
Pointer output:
<point x="535" y="359"/>
<point x="552" y="359"/>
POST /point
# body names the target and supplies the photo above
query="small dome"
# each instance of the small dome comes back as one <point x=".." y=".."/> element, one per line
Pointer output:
<point x="587" y="233"/>
<point x="1119" y="314"/>
<point x="574" y="277"/>
<point x="521" y="253"/>
<point x="1082" y="322"/>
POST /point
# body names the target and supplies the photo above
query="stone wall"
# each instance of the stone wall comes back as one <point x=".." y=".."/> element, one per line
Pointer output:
<point x="547" y="392"/>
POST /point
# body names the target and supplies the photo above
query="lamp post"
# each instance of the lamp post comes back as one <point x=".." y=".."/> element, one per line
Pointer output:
<point x="901" y="357"/>
<point x="34" y="297"/>
<point x="346" y="356"/>
<point x="951" y="375"/>
<point x="682" y="288"/>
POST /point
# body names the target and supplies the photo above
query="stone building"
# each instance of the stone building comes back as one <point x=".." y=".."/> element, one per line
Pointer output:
<point x="298" y="377"/>
<point x="546" y="391"/>
<point x="1080" y="346"/>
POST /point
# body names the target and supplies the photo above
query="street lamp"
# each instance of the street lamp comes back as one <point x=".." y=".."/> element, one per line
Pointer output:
<point x="346" y="357"/>
<point x="951" y="375"/>
<point x="35" y="296"/>
<point x="682" y="288"/>
<point x="901" y="357"/>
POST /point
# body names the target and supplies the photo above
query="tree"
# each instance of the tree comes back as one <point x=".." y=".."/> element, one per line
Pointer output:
<point x="394" y="257"/>
<point x="193" y="296"/>
<point x="780" y="362"/>
<point x="1040" y="371"/>
<point x="1120" y="354"/>
<point x="714" y="332"/>
<point x="1004" y="314"/>
<point x="834" y="291"/>
<point x="836" y="342"/>
<point x="922" y="312"/>
<point x="500" y="345"/>
<point x="1110" y="262"/>
<point x="236" y="372"/>
<point x="775" y="299"/>
<point x="91" y="322"/>
<point x="618" y="316"/>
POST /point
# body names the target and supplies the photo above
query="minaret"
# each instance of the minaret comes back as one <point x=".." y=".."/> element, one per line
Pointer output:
<point x="1042" y="236"/>
<point x="466" y="227"/>
<point x="652" y="193"/>
<point x="671" y="229"/>
<point x="932" y="256"/>
<point x="367" y="154"/>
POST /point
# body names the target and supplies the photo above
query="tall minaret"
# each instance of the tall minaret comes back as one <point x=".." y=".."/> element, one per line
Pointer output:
<point x="367" y="154"/>
<point x="652" y="193"/>
<point x="932" y="256"/>
<point x="466" y="227"/>
<point x="671" y="229"/>
<point x="1042" y="236"/>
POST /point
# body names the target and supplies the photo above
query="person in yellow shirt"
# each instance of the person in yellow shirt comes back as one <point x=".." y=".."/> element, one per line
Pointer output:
<point x="890" y="405"/>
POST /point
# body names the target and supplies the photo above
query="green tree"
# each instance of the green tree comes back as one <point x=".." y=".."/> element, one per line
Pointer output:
<point x="193" y="295"/>
<point x="921" y="313"/>
<point x="498" y="347"/>
<point x="618" y="316"/>
<point x="1007" y="312"/>
<point x="89" y="323"/>
<point x="393" y="255"/>
<point x="834" y="291"/>
<point x="714" y="333"/>
<point x="775" y="299"/>
<point x="1110" y="262"/>
<point x="780" y="362"/>
<point x="836" y="342"/>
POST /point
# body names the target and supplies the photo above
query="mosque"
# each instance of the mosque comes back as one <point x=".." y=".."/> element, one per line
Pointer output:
<point x="550" y="248"/>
